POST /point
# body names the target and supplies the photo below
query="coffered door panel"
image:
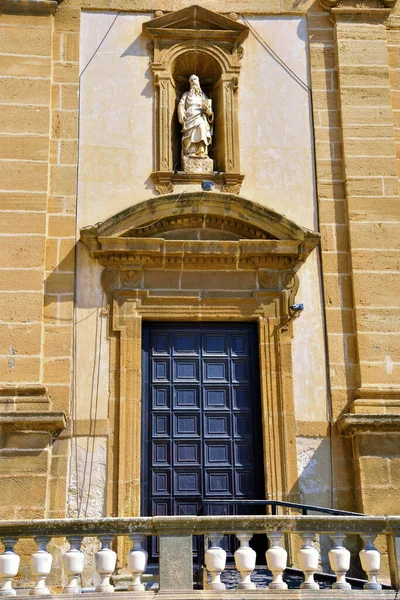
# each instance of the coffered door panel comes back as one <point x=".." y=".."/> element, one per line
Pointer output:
<point x="201" y="419"/>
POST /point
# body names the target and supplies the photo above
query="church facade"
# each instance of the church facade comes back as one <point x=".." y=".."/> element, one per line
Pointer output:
<point x="211" y="316"/>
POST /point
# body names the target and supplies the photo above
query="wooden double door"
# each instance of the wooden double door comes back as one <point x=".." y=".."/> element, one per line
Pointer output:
<point x="201" y="423"/>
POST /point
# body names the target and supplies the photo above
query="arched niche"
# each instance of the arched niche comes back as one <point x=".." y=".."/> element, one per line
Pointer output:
<point x="209" y="71"/>
<point x="196" y="40"/>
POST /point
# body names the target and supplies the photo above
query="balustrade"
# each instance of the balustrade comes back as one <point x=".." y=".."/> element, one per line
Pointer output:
<point x="175" y="557"/>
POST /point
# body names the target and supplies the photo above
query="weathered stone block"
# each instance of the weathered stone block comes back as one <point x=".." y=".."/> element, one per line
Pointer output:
<point x="376" y="289"/>
<point x="21" y="252"/>
<point x="67" y="19"/>
<point x="17" y="369"/>
<point x="69" y="152"/>
<point x="339" y="320"/>
<point x="25" y="66"/>
<point x="24" y="147"/>
<point x="218" y="280"/>
<point x="57" y="341"/>
<point x="57" y="371"/>
<point x="197" y="164"/>
<point x="25" y="40"/>
<point x="376" y="235"/>
<point x="20" y="119"/>
<point x="70" y="97"/>
<point x="59" y="283"/>
<point x="61" y="226"/>
<point x="31" y="176"/>
<point x="21" y="463"/>
<point x="65" y="72"/>
<point x="23" y="339"/>
<point x="65" y="125"/>
<point x="63" y="180"/>
<point x="27" y="280"/>
<point x="25" y="91"/>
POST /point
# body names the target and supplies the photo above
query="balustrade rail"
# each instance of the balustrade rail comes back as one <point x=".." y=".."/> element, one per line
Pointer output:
<point x="175" y="550"/>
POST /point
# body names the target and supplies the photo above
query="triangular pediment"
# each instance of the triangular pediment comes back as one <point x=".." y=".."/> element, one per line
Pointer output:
<point x="192" y="20"/>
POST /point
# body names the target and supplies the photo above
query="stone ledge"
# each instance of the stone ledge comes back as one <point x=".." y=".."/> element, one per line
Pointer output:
<point x="52" y="422"/>
<point x="201" y="525"/>
<point x="23" y="397"/>
<point x="164" y="180"/>
<point x="29" y="7"/>
<point x="295" y="594"/>
<point x="351" y="424"/>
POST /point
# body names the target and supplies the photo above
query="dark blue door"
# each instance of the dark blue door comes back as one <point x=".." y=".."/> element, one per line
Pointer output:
<point x="201" y="418"/>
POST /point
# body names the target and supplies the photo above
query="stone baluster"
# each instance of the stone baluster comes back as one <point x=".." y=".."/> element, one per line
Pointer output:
<point x="105" y="560"/>
<point x="339" y="558"/>
<point x="137" y="562"/>
<point x="9" y="564"/>
<point x="245" y="560"/>
<point x="74" y="561"/>
<point x="370" y="559"/>
<point x="276" y="561"/>
<point x="41" y="562"/>
<point x="215" y="558"/>
<point x="308" y="561"/>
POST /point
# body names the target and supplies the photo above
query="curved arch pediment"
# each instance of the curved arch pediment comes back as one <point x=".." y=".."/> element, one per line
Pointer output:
<point x="227" y="212"/>
<point x="200" y="223"/>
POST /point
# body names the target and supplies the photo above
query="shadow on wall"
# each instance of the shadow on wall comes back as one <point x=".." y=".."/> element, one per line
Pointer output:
<point x="60" y="285"/>
<point x="139" y="47"/>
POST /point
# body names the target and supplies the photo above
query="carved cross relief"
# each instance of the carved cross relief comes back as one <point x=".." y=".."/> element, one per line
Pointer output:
<point x="196" y="41"/>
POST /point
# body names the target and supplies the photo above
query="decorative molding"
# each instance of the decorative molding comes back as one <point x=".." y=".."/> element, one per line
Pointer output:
<point x="29" y="7"/>
<point x="389" y="393"/>
<point x="351" y="424"/>
<point x="164" y="181"/>
<point x="130" y="307"/>
<point x="377" y="400"/>
<point x="131" y="278"/>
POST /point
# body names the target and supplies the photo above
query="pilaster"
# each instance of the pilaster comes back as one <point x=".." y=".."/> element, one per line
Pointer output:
<point x="369" y="161"/>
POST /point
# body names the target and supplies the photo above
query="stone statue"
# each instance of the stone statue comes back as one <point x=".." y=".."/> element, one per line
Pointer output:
<point x="196" y="117"/>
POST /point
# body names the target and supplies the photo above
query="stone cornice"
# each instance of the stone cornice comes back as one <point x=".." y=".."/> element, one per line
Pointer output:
<point x="29" y="7"/>
<point x="51" y="422"/>
<point x="351" y="424"/>
<point x="356" y="10"/>
<point x="199" y="254"/>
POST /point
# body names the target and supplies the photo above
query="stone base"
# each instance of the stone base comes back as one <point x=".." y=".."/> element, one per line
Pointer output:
<point x="309" y="586"/>
<point x="136" y="587"/>
<point x="278" y="586"/>
<point x="197" y="164"/>
<point x="246" y="586"/>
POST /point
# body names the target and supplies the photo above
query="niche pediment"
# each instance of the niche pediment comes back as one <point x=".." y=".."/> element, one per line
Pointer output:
<point x="195" y="21"/>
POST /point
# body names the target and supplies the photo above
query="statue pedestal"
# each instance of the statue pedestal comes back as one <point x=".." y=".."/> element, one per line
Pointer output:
<point x="197" y="164"/>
